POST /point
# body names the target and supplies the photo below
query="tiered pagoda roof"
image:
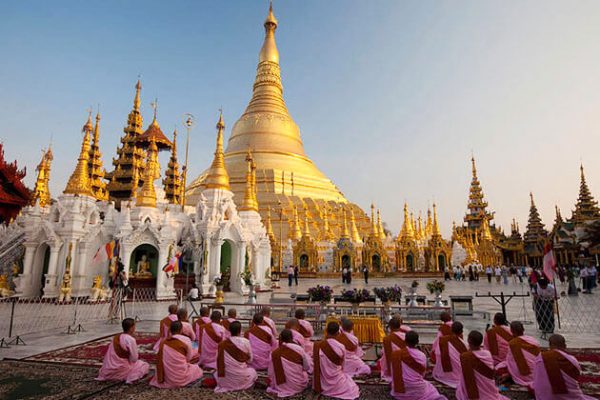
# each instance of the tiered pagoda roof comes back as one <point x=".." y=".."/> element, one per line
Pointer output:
<point x="477" y="205"/>
<point x="95" y="167"/>
<point x="13" y="193"/>
<point x="535" y="228"/>
<point x="586" y="208"/>
<point x="172" y="181"/>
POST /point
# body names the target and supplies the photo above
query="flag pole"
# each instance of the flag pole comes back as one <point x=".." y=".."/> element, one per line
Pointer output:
<point x="556" y="301"/>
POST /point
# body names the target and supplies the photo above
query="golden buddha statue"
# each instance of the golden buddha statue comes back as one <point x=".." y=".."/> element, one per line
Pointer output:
<point x="143" y="268"/>
<point x="4" y="287"/>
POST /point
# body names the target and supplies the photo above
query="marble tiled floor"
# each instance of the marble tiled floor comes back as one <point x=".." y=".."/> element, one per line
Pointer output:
<point x="517" y="309"/>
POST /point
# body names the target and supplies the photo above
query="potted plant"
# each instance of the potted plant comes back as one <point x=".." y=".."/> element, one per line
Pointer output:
<point x="355" y="297"/>
<point x="319" y="293"/>
<point x="389" y="294"/>
<point x="436" y="287"/>
<point x="218" y="282"/>
<point x="248" y="280"/>
<point x="412" y="295"/>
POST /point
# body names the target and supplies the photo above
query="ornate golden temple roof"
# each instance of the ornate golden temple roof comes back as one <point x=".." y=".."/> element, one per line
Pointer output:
<point x="154" y="134"/>
<point x="147" y="195"/>
<point x="95" y="168"/>
<point x="172" y="181"/>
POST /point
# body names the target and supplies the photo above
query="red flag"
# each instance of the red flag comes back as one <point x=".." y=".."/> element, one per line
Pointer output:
<point x="549" y="261"/>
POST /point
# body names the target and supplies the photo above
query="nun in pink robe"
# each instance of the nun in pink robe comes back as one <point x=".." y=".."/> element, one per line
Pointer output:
<point x="415" y="385"/>
<point x="386" y="374"/>
<point x="262" y="342"/>
<point x="455" y="345"/>
<point x="121" y="363"/>
<point x="517" y="344"/>
<point x="209" y="346"/>
<point x="296" y="375"/>
<point x="238" y="375"/>
<point x="485" y="386"/>
<point x="307" y="331"/>
<point x="188" y="330"/>
<point x="165" y="323"/>
<point x="333" y="380"/>
<point x="198" y="324"/>
<point x="178" y="369"/>
<point x="353" y="364"/>
<point x="543" y="387"/>
<point x="271" y="325"/>
<point x="501" y="333"/>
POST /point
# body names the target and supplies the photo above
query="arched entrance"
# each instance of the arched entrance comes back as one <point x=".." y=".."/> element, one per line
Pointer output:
<point x="376" y="262"/>
<point x="346" y="262"/>
<point x="304" y="262"/>
<point x="144" y="261"/>
<point x="225" y="256"/>
<point x="410" y="263"/>
<point x="442" y="262"/>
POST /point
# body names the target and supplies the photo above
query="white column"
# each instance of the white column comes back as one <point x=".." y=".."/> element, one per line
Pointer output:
<point x="164" y="284"/>
<point x="23" y="283"/>
<point x="214" y="258"/>
<point x="51" y="286"/>
<point x="237" y="266"/>
<point x="79" y="272"/>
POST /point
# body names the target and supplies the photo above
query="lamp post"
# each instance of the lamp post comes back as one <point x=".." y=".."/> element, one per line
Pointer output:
<point x="280" y="237"/>
<point x="189" y="123"/>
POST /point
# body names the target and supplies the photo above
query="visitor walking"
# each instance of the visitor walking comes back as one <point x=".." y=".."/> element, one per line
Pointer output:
<point x="296" y="273"/>
<point x="290" y="272"/>
<point x="504" y="273"/>
<point x="365" y="272"/>
<point x="544" y="305"/>
<point x="488" y="272"/>
<point x="345" y="275"/>
<point x="498" y="273"/>
<point x="471" y="274"/>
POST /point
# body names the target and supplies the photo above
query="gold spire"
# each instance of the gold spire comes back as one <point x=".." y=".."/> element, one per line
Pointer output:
<point x="380" y="230"/>
<point x="407" y="228"/>
<point x="269" y="52"/>
<point x="250" y="203"/>
<point x="428" y="224"/>
<point x="136" y="100"/>
<point x="95" y="168"/>
<point x="374" y="227"/>
<point x="41" y="190"/>
<point x="147" y="196"/>
<point x="355" y="234"/>
<point x="436" y="226"/>
<point x="419" y="233"/>
<point x="327" y="233"/>
<point x="79" y="182"/>
<point x="296" y="232"/>
<point x="172" y="181"/>
<point x="306" y="228"/>
<point x="268" y="226"/>
<point x="345" y="233"/>
<point x="217" y="177"/>
<point x="486" y="234"/>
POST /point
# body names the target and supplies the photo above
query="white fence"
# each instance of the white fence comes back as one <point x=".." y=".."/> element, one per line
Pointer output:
<point x="570" y="314"/>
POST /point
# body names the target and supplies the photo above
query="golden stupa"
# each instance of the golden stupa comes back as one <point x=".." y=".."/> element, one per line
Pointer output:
<point x="285" y="176"/>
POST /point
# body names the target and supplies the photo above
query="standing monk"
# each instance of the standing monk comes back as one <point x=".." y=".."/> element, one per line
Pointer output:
<point x="329" y="378"/>
<point x="391" y="343"/>
<point x="497" y="338"/>
<point x="200" y="322"/>
<point x="187" y="330"/>
<point x="477" y="378"/>
<point x="165" y="325"/>
<point x="353" y="363"/>
<point x="261" y="341"/>
<point x="520" y="359"/>
<point x="176" y="365"/>
<point x="210" y="336"/>
<point x="266" y="313"/>
<point x="306" y="329"/>
<point x="408" y="370"/>
<point x="447" y="356"/>
<point x="556" y="373"/>
<point x="121" y="361"/>
<point x="233" y="372"/>
<point x="289" y="367"/>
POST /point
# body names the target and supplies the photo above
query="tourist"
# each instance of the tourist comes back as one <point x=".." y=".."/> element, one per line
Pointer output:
<point x="520" y="272"/>
<point x="520" y="358"/>
<point x="504" y="272"/>
<point x="497" y="338"/>
<point x="471" y="274"/>
<point x="488" y="272"/>
<point x="447" y="274"/>
<point x="290" y="274"/>
<point x="211" y="335"/>
<point x="193" y="294"/>
<point x="266" y="313"/>
<point x="165" y="325"/>
<point x="408" y="370"/>
<point x="200" y="322"/>
<point x="231" y="317"/>
<point x="289" y="367"/>
<point x="533" y="279"/>
<point x="498" y="273"/>
<point x="296" y="273"/>
<point x="187" y="330"/>
<point x="261" y="341"/>
<point x="305" y="328"/>
<point x="544" y="298"/>
<point x="392" y="342"/>
<point x="121" y="361"/>
<point x="329" y="378"/>
<point x="234" y="354"/>
<point x="447" y="356"/>
<point x="477" y="377"/>
<point x="478" y="270"/>
<point x="445" y="328"/>
<point x="365" y="272"/>
<point x="344" y="275"/>
<point x="353" y="363"/>
<point x="176" y="365"/>
<point x="556" y="373"/>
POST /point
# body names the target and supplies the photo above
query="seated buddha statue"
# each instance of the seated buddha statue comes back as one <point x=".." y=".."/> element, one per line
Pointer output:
<point x="143" y="268"/>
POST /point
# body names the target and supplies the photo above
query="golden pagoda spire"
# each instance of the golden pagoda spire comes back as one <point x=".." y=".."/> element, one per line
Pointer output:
<point x="374" y="227"/>
<point x="296" y="233"/>
<point x="380" y="230"/>
<point x="428" y="224"/>
<point x="355" y="235"/>
<point x="136" y="99"/>
<point x="250" y="203"/>
<point x="79" y="182"/>
<point x="147" y="195"/>
<point x="436" y="226"/>
<point x="268" y="226"/>
<point x="41" y="189"/>
<point x="407" y="228"/>
<point x="217" y="177"/>
<point x="412" y="222"/>
<point x="95" y="168"/>
<point x="345" y="233"/>
<point x="306" y="227"/>
<point x="327" y="233"/>
<point x="419" y="233"/>
<point x="486" y="234"/>
<point x="586" y="208"/>
<point x="172" y="182"/>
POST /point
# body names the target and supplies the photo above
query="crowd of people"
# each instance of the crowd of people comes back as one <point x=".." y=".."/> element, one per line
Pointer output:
<point x="473" y="367"/>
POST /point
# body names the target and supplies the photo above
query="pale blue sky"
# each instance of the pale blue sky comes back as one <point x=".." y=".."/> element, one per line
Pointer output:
<point x="391" y="96"/>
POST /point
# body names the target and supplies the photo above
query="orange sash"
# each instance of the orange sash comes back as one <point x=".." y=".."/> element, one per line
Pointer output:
<point x="493" y="334"/>
<point x="554" y="363"/>
<point x="445" y="351"/>
<point x="445" y="330"/>
<point x="400" y="357"/>
<point x="208" y="328"/>
<point x="345" y="340"/>
<point x="226" y="324"/>
<point x="176" y="345"/>
<point x="387" y="347"/>
<point x="303" y="330"/>
<point x="471" y="363"/>
<point x="165" y="324"/>
<point x="326" y="348"/>
<point x="231" y="349"/>
<point x="121" y="352"/>
<point x="517" y="345"/>
<point x="259" y="333"/>
<point x="288" y="354"/>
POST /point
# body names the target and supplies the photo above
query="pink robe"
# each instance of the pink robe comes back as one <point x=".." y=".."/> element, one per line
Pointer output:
<point x="165" y="332"/>
<point x="296" y="376"/>
<point x="115" y="368"/>
<point x="437" y="339"/>
<point x="261" y="351"/>
<point x="334" y="382"/>
<point x="415" y="385"/>
<point x="227" y="333"/>
<point x="308" y="344"/>
<point x="487" y="387"/>
<point x="386" y="374"/>
<point x="188" y="331"/>
<point x="502" y="346"/>
<point x="353" y="363"/>
<point x="177" y="368"/>
<point x="271" y="324"/>
<point x="209" y="348"/>
<point x="450" y="378"/>
<point x="543" y="389"/>
<point x="238" y="375"/>
<point x="205" y="320"/>
<point x="513" y="369"/>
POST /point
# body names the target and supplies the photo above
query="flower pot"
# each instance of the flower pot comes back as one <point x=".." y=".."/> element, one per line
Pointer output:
<point x="251" y="295"/>
<point x="219" y="296"/>
<point x="413" y="297"/>
<point x="438" y="299"/>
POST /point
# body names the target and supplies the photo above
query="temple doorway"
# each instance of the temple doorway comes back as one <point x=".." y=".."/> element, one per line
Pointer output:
<point x="441" y="262"/>
<point x="144" y="262"/>
<point x="225" y="257"/>
<point x="42" y="261"/>
<point x="346" y="262"/>
<point x="376" y="262"/>
<point x="304" y="262"/>
<point x="410" y="266"/>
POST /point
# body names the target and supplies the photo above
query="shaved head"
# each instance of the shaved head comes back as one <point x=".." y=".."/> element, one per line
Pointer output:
<point x="232" y="313"/>
<point x="517" y="328"/>
<point x="445" y="316"/>
<point x="266" y="311"/>
<point x="557" y="341"/>
<point x="173" y="309"/>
